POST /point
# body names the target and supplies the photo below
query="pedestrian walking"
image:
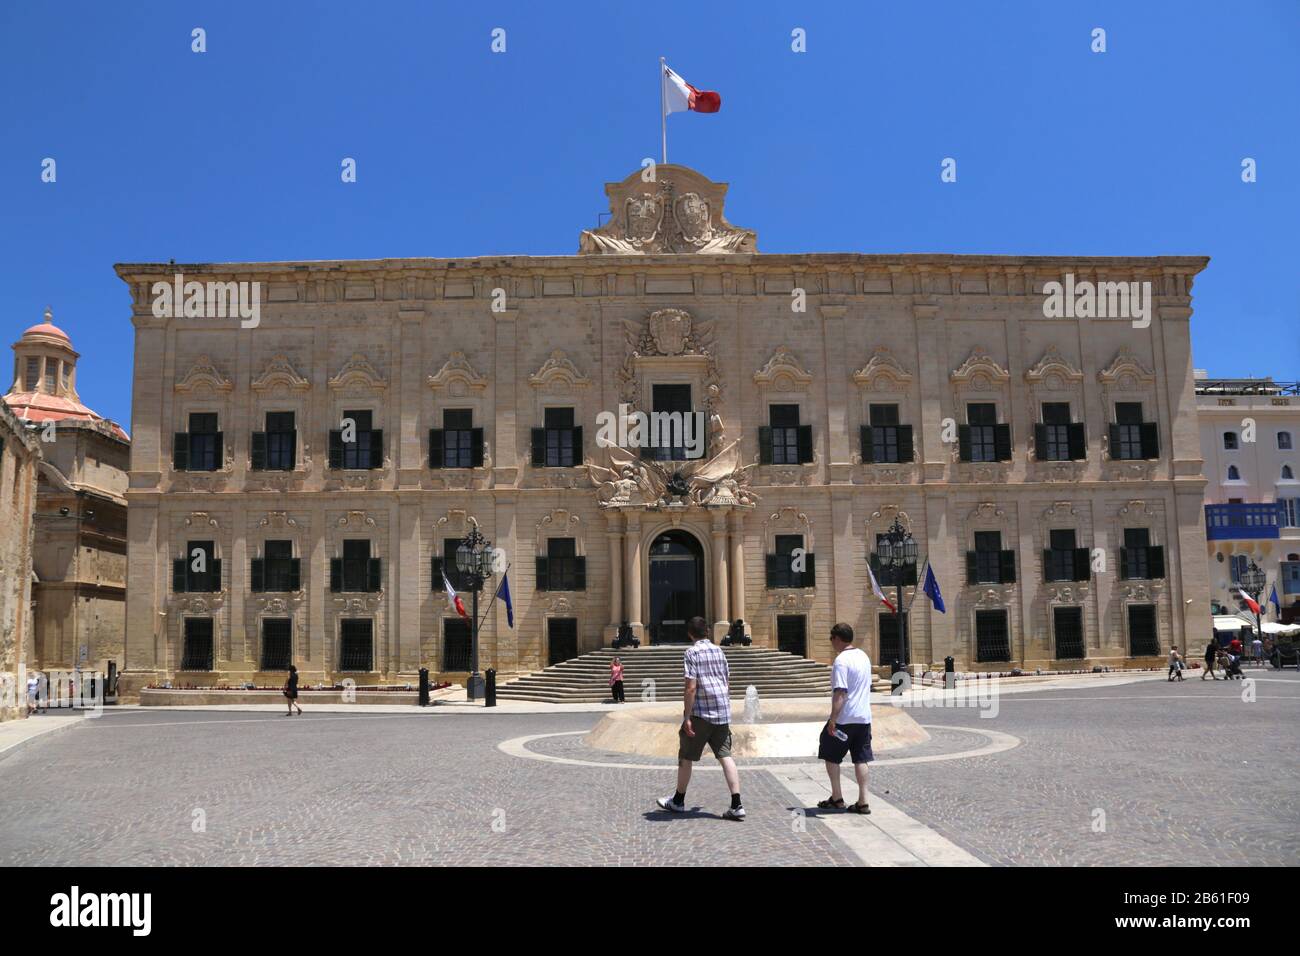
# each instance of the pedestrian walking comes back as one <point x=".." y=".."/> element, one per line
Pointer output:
<point x="706" y="719"/>
<point x="33" y="688"/>
<point x="291" y="690"/>
<point x="1211" y="655"/>
<point x="1257" y="651"/>
<point x="848" y="731"/>
<point x="1175" y="663"/>
<point x="616" y="681"/>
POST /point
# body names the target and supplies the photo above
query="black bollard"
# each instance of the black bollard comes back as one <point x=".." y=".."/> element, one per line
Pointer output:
<point x="424" y="687"/>
<point x="490" y="695"/>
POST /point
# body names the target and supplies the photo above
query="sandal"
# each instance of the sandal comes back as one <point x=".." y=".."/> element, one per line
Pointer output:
<point x="830" y="805"/>
<point x="863" y="808"/>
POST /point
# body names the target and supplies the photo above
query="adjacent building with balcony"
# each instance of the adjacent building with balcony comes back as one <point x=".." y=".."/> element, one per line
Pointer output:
<point x="1249" y="430"/>
<point x="297" y="489"/>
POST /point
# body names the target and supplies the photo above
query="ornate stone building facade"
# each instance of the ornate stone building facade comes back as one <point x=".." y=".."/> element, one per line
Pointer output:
<point x="79" y="559"/>
<point x="297" y="488"/>
<point x="19" y="455"/>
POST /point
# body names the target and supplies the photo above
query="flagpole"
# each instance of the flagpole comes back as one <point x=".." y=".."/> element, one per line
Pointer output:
<point x="663" y="107"/>
<point x="495" y="591"/>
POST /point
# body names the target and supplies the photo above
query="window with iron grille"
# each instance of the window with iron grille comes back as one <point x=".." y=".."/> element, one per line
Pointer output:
<point x="562" y="568"/>
<point x="892" y="646"/>
<point x="277" y="643"/>
<point x="1143" y="636"/>
<point x="356" y="644"/>
<point x="558" y="444"/>
<point x="992" y="638"/>
<point x="196" y="654"/>
<point x="1067" y="624"/>
<point x="781" y="571"/>
<point x="456" y="644"/>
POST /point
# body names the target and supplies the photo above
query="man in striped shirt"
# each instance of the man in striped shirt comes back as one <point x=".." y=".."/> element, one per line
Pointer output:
<point x="706" y="718"/>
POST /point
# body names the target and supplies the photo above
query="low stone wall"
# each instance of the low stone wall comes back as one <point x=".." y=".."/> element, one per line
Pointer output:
<point x="160" y="697"/>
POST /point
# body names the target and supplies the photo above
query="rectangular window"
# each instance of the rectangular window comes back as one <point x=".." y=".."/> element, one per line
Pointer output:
<point x="1067" y="624"/>
<point x="33" y="374"/>
<point x="205" y="453"/>
<point x="784" y="422"/>
<point x="1290" y="574"/>
<point x="1289" y="509"/>
<point x="50" y="368"/>
<point x="280" y="567"/>
<point x="277" y="643"/>
<point x="981" y="420"/>
<point x="356" y="565"/>
<point x="1055" y="433"/>
<point x="781" y="572"/>
<point x="460" y="438"/>
<point x="196" y="654"/>
<point x="199" y="570"/>
<point x="356" y="644"/>
<point x="1137" y="543"/>
<point x="1143" y="637"/>
<point x="1058" y="560"/>
<point x="558" y="444"/>
<point x="562" y="568"/>
<point x="281" y="441"/>
<point x="670" y="398"/>
<point x="456" y="645"/>
<point x="988" y="550"/>
<point x="885" y="439"/>
<point x="1132" y="439"/>
<point x="366" y="448"/>
<point x="992" y="638"/>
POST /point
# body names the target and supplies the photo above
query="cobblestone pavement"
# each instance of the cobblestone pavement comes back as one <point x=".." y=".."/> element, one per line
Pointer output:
<point x="1184" y="773"/>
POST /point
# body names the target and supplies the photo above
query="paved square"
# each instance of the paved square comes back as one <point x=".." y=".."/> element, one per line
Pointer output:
<point x="1184" y="774"/>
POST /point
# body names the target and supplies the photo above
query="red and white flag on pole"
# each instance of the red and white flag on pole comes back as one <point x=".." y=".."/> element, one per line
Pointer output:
<point x="453" y="599"/>
<point x="680" y="96"/>
<point x="875" y="589"/>
<point x="1250" y="602"/>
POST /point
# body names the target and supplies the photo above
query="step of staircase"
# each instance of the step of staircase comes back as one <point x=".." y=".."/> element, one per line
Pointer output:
<point x="585" y="679"/>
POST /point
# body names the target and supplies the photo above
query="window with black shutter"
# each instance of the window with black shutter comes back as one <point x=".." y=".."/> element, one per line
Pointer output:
<point x="456" y="645"/>
<point x="202" y="567"/>
<point x="1143" y="635"/>
<point x="277" y="643"/>
<point x="356" y="644"/>
<point x="196" y="651"/>
<point x="979" y="438"/>
<point x="356" y="565"/>
<point x="279" y="567"/>
<point x="992" y="637"/>
<point x="202" y="445"/>
<point x="1139" y="560"/>
<point x="789" y="442"/>
<point x="1058" y="559"/>
<point x="781" y="571"/>
<point x="366" y="448"/>
<point x="669" y="445"/>
<point x="1067" y="625"/>
<point x="458" y="444"/>
<point x="983" y="565"/>
<point x="1131" y="438"/>
<point x="1053" y="438"/>
<point x="885" y="440"/>
<point x="559" y="443"/>
<point x="563" y="568"/>
<point x="279" y="442"/>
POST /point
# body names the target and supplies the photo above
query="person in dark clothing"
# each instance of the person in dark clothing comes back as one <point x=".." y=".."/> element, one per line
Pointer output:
<point x="291" y="691"/>
<point x="1211" y="655"/>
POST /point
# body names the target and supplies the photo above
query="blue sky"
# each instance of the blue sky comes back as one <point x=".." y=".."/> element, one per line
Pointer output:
<point x="234" y="154"/>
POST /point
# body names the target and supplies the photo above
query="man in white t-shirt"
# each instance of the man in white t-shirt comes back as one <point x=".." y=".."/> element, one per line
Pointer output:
<point x="849" y="729"/>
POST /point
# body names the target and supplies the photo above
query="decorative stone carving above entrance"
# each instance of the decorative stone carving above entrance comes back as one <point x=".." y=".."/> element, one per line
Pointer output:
<point x="783" y="373"/>
<point x="679" y="211"/>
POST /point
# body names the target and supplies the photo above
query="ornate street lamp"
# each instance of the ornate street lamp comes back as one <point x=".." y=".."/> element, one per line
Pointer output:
<point x="474" y="561"/>
<point x="897" y="550"/>
<point x="1252" y="582"/>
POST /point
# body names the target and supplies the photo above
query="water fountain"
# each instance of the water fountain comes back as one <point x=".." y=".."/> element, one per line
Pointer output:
<point x="752" y="715"/>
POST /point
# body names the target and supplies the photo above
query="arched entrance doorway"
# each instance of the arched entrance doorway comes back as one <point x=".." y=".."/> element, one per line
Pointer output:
<point x="676" y="586"/>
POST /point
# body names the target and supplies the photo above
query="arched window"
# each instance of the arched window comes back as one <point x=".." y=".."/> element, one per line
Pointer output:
<point x="1230" y="441"/>
<point x="1284" y="441"/>
<point x="1233" y="473"/>
<point x="1287" y="474"/>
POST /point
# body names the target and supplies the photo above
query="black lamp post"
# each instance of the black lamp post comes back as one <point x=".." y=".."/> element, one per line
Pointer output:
<point x="1252" y="582"/>
<point x="474" y="561"/>
<point x="897" y="550"/>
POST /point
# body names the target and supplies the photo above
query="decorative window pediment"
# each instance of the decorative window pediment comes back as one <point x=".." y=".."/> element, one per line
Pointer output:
<point x="457" y="376"/>
<point x="1053" y="371"/>
<point x="980" y="371"/>
<point x="783" y="373"/>
<point x="559" y="523"/>
<point x="558" y="373"/>
<point x="1126" y="372"/>
<point x="882" y="373"/>
<point x="357" y="373"/>
<point x="203" y="374"/>
<point x="280" y="372"/>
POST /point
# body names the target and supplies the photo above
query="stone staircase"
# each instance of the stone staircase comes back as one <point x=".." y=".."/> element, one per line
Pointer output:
<point x="585" y="679"/>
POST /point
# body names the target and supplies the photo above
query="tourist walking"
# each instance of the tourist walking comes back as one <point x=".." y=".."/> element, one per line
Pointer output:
<point x="1257" y="651"/>
<point x="706" y="719"/>
<point x="1211" y="655"/>
<point x="291" y="690"/>
<point x="616" y="681"/>
<point x="1175" y="663"/>
<point x="33" y="688"/>
<point x="848" y="731"/>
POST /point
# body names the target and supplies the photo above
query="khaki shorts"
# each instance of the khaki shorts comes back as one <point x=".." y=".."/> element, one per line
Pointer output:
<point x="717" y="736"/>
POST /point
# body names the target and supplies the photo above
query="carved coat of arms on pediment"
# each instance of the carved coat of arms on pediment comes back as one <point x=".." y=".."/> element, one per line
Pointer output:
<point x="676" y="211"/>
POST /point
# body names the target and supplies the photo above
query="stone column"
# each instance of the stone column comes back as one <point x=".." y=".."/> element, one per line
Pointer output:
<point x="632" y="575"/>
<point x="738" y="568"/>
<point x="721" y="607"/>
<point x="613" y="525"/>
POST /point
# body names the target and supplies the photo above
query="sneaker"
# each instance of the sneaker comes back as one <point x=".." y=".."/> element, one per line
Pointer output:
<point x="667" y="803"/>
<point x="734" y="813"/>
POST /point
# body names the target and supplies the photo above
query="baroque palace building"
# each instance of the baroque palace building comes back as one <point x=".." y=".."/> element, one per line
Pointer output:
<point x="297" y="487"/>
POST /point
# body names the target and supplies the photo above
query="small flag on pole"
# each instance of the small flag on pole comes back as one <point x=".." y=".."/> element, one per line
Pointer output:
<point x="503" y="592"/>
<point x="875" y="589"/>
<point x="453" y="599"/>
<point x="680" y="96"/>
<point x="931" y="589"/>
<point x="1272" y="599"/>
<point x="1250" y="601"/>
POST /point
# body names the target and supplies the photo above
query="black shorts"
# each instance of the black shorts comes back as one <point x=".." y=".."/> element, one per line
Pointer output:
<point x="858" y="746"/>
